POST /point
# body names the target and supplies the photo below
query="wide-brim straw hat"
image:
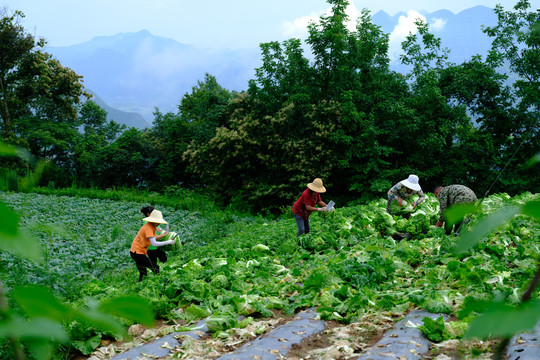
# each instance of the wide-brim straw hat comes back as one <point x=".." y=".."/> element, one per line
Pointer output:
<point x="155" y="217"/>
<point x="412" y="183"/>
<point x="317" y="186"/>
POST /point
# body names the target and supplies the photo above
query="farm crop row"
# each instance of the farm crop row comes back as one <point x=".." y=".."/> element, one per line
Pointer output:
<point x="347" y="267"/>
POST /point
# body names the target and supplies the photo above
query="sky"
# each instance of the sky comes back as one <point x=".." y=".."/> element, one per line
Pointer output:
<point x="218" y="24"/>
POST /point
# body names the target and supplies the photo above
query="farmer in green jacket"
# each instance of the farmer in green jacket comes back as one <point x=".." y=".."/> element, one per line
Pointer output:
<point x="449" y="196"/>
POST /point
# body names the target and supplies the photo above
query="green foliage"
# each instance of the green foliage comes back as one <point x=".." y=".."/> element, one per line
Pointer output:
<point x="438" y="330"/>
<point x="38" y="318"/>
<point x="433" y="329"/>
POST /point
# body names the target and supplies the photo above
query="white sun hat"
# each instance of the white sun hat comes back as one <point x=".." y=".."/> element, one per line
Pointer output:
<point x="155" y="217"/>
<point x="412" y="183"/>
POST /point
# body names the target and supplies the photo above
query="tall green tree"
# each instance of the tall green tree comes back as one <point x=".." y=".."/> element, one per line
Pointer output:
<point x="200" y="113"/>
<point x="516" y="45"/>
<point x="97" y="133"/>
<point x="39" y="98"/>
<point x="333" y="118"/>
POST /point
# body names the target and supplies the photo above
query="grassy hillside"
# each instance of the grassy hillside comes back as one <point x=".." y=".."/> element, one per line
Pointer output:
<point x="230" y="265"/>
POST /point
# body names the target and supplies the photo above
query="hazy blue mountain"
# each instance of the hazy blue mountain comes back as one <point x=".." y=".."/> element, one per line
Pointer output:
<point x="137" y="72"/>
<point x="128" y="118"/>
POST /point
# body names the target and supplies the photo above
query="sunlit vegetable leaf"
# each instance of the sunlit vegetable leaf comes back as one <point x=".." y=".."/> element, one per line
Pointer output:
<point x="469" y="239"/>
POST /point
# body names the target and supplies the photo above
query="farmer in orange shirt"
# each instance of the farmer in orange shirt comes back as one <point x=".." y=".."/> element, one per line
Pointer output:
<point x="144" y="238"/>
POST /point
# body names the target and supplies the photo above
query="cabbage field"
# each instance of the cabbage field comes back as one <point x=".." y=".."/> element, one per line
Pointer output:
<point x="348" y="267"/>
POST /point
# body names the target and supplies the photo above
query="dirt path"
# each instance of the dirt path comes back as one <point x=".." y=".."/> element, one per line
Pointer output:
<point x="305" y="336"/>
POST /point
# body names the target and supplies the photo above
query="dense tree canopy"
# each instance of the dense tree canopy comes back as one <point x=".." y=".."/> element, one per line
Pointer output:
<point x="329" y="108"/>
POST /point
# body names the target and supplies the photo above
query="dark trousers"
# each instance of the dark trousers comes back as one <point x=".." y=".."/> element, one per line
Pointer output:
<point x="143" y="263"/>
<point x="448" y="229"/>
<point x="302" y="224"/>
<point x="157" y="254"/>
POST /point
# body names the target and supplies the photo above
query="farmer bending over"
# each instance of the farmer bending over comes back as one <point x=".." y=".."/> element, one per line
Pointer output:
<point x="144" y="238"/>
<point x="452" y="195"/>
<point x="404" y="190"/>
<point x="154" y="253"/>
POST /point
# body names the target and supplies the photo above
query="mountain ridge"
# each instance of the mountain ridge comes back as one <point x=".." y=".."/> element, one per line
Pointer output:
<point x="138" y="72"/>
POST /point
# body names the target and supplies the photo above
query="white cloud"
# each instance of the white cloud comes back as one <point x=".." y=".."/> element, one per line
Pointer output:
<point x="437" y="24"/>
<point x="298" y="27"/>
<point x="404" y="27"/>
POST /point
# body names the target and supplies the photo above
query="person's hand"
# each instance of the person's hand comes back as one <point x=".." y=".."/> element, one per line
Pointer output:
<point x="400" y="202"/>
<point x="322" y="209"/>
<point x="439" y="224"/>
<point x="414" y="205"/>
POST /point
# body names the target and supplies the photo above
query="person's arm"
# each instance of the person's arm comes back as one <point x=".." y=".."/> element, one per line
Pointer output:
<point x="156" y="243"/>
<point x="313" y="208"/>
<point x="421" y="198"/>
<point x="161" y="235"/>
<point x="394" y="195"/>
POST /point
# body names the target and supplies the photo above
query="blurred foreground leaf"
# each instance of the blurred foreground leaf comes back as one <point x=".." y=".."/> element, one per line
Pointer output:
<point x="37" y="301"/>
<point x="532" y="208"/>
<point x="133" y="308"/>
<point x="14" y="240"/>
<point x="504" y="320"/>
<point x="457" y="212"/>
<point x="471" y="238"/>
<point x="39" y="328"/>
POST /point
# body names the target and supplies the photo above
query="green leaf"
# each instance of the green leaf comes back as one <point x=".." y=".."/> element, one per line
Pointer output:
<point x="485" y="226"/>
<point x="433" y="329"/>
<point x="221" y="322"/>
<point x="457" y="212"/>
<point x="11" y="239"/>
<point x="8" y="221"/>
<point x="133" y="308"/>
<point x="23" y="244"/>
<point x="532" y="208"/>
<point x="12" y="151"/>
<point x="500" y="319"/>
<point x="37" y="301"/>
<point x="38" y="328"/>
<point x="40" y="349"/>
<point x="101" y="321"/>
<point x="534" y="160"/>
<point x="86" y="347"/>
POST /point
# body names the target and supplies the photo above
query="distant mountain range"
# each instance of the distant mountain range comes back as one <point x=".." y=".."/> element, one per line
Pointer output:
<point x="134" y="73"/>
